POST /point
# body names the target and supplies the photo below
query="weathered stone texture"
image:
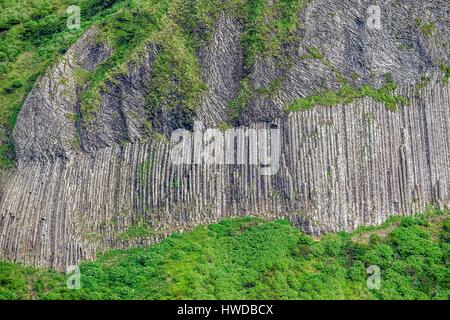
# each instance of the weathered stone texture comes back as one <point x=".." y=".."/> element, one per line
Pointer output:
<point x="121" y="112"/>
<point x="46" y="126"/>
<point x="341" y="168"/>
<point x="221" y="64"/>
<point x="338" y="31"/>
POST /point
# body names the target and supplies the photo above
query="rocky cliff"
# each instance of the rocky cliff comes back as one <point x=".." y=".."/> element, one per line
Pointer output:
<point x="87" y="182"/>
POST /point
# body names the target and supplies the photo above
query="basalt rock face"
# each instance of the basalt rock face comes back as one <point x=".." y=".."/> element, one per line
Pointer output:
<point x="221" y="61"/>
<point x="339" y="167"/>
<point x="360" y="53"/>
<point x="120" y="115"/>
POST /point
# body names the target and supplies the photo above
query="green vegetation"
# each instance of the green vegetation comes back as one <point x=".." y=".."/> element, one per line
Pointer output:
<point x="249" y="258"/>
<point x="177" y="84"/>
<point x="139" y="230"/>
<point x="224" y="126"/>
<point x="246" y="94"/>
<point x="269" y="26"/>
<point x="426" y="29"/>
<point x="172" y="27"/>
<point x="421" y="84"/>
<point x="424" y="81"/>
<point x="446" y="70"/>
<point x="314" y="53"/>
<point x="347" y="94"/>
<point x="244" y="97"/>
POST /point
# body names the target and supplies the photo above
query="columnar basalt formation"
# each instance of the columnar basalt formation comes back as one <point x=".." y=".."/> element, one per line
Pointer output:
<point x="341" y="167"/>
<point x="46" y="128"/>
<point x="81" y="186"/>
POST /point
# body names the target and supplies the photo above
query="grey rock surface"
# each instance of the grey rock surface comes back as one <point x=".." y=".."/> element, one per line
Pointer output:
<point x="338" y="30"/>
<point x="45" y="127"/>
<point x="221" y="65"/>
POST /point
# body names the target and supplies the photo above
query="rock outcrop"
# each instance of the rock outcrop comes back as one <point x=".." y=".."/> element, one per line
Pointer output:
<point x="84" y="186"/>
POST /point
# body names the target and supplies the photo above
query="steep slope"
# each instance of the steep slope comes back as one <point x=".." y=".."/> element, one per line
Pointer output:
<point x="93" y="160"/>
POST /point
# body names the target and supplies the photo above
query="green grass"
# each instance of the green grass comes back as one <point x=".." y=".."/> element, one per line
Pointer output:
<point x="137" y="231"/>
<point x="268" y="27"/>
<point x="249" y="258"/>
<point x="243" y="98"/>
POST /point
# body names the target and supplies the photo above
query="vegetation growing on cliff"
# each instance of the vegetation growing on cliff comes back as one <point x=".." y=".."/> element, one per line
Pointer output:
<point x="178" y="28"/>
<point x="269" y="27"/>
<point x="249" y="258"/>
<point x="446" y="71"/>
<point x="33" y="34"/>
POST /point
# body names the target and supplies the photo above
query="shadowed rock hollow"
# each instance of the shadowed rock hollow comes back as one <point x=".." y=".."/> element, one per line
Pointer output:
<point x="83" y="185"/>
